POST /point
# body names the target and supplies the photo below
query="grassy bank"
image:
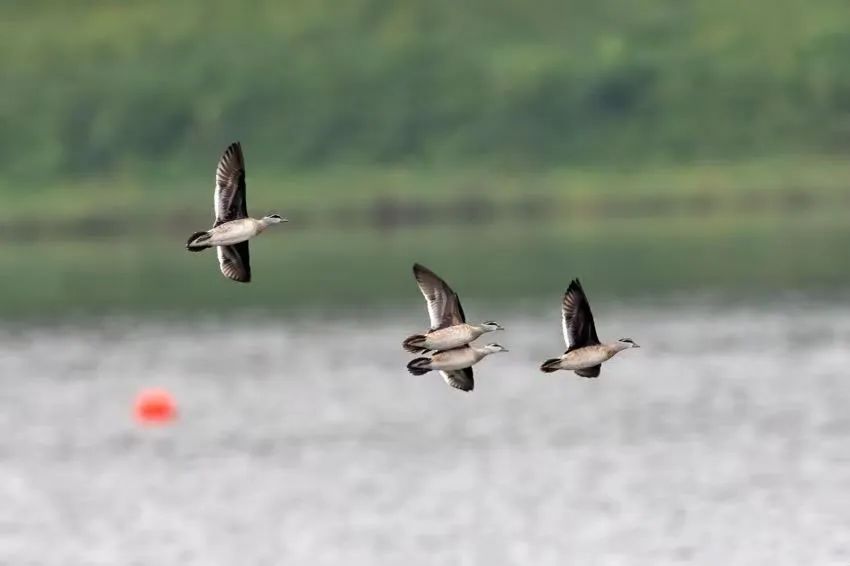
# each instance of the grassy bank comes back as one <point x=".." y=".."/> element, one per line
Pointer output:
<point x="398" y="197"/>
<point x="758" y="256"/>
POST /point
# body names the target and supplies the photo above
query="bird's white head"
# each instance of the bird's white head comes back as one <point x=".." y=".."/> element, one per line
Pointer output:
<point x="626" y="343"/>
<point x="490" y="326"/>
<point x="494" y="348"/>
<point x="269" y="219"/>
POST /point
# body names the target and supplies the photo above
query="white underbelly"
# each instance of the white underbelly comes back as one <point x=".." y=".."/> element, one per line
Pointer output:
<point x="232" y="233"/>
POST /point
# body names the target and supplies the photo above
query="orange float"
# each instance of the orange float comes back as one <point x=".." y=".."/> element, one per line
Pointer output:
<point x="155" y="406"/>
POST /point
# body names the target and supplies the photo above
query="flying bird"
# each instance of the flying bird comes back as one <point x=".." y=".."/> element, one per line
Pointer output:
<point x="449" y="328"/>
<point x="585" y="353"/>
<point x="455" y="365"/>
<point x="233" y="227"/>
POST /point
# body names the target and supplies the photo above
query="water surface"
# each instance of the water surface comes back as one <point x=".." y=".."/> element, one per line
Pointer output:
<point x="304" y="441"/>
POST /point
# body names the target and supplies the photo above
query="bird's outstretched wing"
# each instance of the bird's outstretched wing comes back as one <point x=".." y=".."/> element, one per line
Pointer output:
<point x="230" y="201"/>
<point x="235" y="261"/>
<point x="444" y="307"/>
<point x="577" y="320"/>
<point x="460" y="378"/>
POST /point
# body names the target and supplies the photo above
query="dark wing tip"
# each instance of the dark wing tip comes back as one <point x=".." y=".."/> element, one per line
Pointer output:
<point x="578" y="316"/>
<point x="466" y="384"/>
<point x="419" y="268"/>
<point x="237" y="275"/>
<point x="421" y="272"/>
<point x="575" y="290"/>
<point x="235" y="262"/>
<point x="232" y="155"/>
<point x="467" y="372"/>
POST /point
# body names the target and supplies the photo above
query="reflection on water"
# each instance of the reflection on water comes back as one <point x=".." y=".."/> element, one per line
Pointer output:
<point x="723" y="440"/>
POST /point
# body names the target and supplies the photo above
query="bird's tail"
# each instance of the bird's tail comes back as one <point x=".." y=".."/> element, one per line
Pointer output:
<point x="550" y="365"/>
<point x="419" y="366"/>
<point x="196" y="242"/>
<point x="415" y="344"/>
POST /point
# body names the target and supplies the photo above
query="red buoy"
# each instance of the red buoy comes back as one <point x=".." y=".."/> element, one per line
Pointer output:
<point x="155" y="406"/>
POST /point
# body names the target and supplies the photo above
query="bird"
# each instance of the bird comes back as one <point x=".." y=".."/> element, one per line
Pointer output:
<point x="233" y="227"/>
<point x="454" y="365"/>
<point x="585" y="353"/>
<point x="449" y="328"/>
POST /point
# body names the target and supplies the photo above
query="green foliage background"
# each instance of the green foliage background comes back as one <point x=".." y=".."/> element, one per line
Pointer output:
<point x="99" y="86"/>
<point x="649" y="146"/>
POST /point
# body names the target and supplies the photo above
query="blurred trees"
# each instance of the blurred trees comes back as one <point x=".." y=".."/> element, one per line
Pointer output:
<point x="94" y="86"/>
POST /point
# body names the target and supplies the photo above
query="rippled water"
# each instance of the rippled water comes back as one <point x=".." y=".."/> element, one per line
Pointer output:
<point x="724" y="440"/>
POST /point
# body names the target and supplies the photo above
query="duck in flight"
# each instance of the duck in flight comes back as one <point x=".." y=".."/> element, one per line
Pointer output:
<point x="455" y="365"/>
<point x="449" y="328"/>
<point x="585" y="353"/>
<point x="233" y="227"/>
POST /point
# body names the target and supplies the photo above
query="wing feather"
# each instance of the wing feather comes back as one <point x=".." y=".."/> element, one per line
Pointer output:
<point x="230" y="199"/>
<point x="460" y="378"/>
<point x="444" y="308"/>
<point x="577" y="319"/>
<point x="235" y="261"/>
<point x="592" y="371"/>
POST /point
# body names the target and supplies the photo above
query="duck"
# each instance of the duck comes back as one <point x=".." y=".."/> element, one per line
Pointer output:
<point x="585" y="353"/>
<point x="455" y="365"/>
<point x="233" y="227"/>
<point x="449" y="328"/>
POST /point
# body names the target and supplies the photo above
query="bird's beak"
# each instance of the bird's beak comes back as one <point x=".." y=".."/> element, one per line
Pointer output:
<point x="635" y="345"/>
<point x="284" y="219"/>
<point x="505" y="350"/>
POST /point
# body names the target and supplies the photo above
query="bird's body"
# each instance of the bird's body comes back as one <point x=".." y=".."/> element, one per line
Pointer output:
<point x="233" y="227"/>
<point x="457" y="358"/>
<point x="587" y="357"/>
<point x="585" y="353"/>
<point x="444" y="338"/>
<point x="235" y="232"/>
<point x="454" y="365"/>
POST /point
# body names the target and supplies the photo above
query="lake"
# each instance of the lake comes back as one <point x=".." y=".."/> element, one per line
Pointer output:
<point x="303" y="440"/>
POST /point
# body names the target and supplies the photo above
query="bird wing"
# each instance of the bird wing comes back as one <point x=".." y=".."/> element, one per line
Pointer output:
<point x="577" y="320"/>
<point x="230" y="202"/>
<point x="460" y="378"/>
<point x="235" y="261"/>
<point x="592" y="371"/>
<point x="444" y="307"/>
